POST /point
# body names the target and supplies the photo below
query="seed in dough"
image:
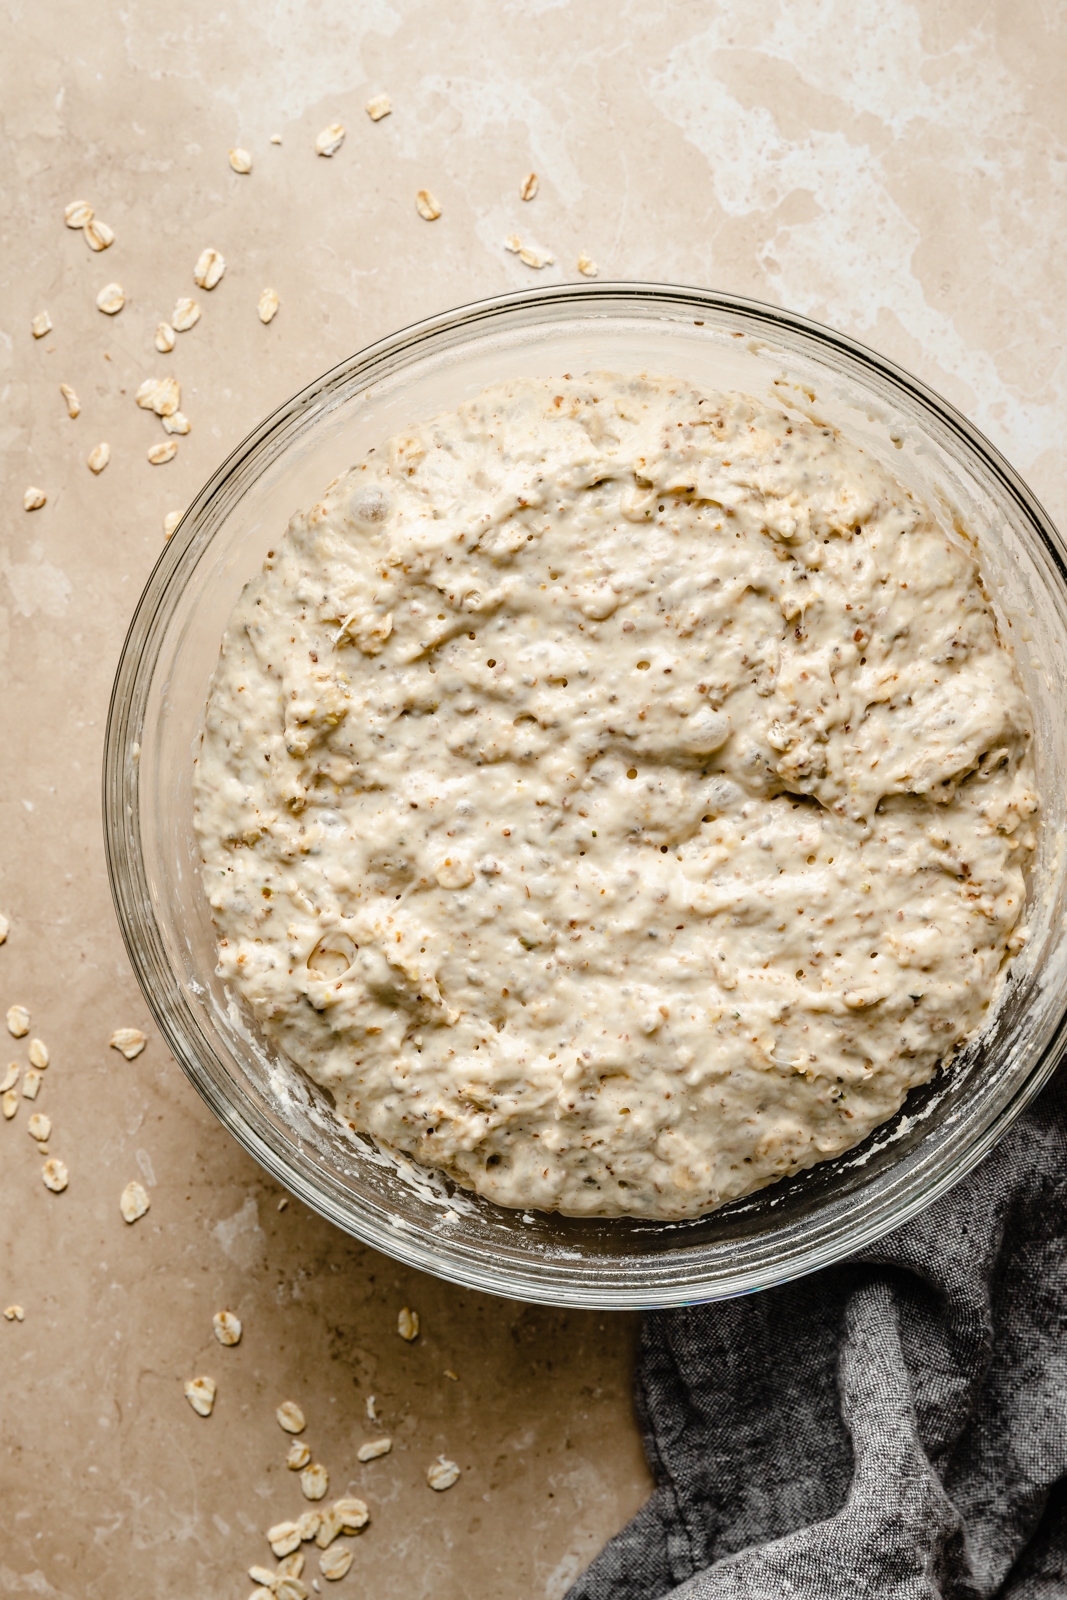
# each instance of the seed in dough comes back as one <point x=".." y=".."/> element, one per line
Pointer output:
<point x="41" y="324"/>
<point x="18" y="1021"/>
<point x="379" y="106"/>
<point x="134" y="1201"/>
<point x="55" y="1176"/>
<point x="210" y="266"/>
<point x="314" y="1481"/>
<point x="373" y="1449"/>
<point x="240" y="161"/>
<point x="407" y="1323"/>
<point x="73" y="404"/>
<point x="111" y="299"/>
<point x="290" y="1417"/>
<point x="128" y="1041"/>
<point x="98" y="458"/>
<point x="335" y="1562"/>
<point x="330" y="139"/>
<point x="427" y="206"/>
<point x="442" y="1473"/>
<point x="227" y="1327"/>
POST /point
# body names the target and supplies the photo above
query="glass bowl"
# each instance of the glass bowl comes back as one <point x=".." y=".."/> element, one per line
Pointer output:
<point x="270" y="1107"/>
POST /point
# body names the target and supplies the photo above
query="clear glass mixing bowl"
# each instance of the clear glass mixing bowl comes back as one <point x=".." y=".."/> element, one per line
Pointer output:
<point x="275" y="1112"/>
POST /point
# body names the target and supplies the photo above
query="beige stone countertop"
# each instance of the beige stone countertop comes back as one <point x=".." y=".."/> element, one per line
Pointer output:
<point x="898" y="171"/>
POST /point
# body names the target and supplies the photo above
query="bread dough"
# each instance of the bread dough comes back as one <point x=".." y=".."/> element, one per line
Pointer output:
<point x="616" y="794"/>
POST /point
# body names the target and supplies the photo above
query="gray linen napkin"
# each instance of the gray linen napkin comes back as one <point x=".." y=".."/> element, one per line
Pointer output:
<point x="893" y="1427"/>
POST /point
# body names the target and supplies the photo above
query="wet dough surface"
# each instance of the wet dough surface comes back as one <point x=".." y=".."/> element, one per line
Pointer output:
<point x="617" y="795"/>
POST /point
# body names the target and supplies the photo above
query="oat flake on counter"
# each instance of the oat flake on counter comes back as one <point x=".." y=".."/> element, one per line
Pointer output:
<point x="268" y="305"/>
<point x="177" y="422"/>
<point x="14" y="1314"/>
<point x="18" y="1021"/>
<point x="379" y="106"/>
<point x="407" y="1323"/>
<point x="186" y="313"/>
<point x="314" y="1481"/>
<point x="283" y="1538"/>
<point x="41" y="324"/>
<point x="54" y="1175"/>
<point x="128" y="1041"/>
<point x="160" y="454"/>
<point x="9" y="1103"/>
<point x="111" y="299"/>
<point x="164" y="338"/>
<point x="529" y="186"/>
<point x="11" y="1077"/>
<point x="38" y="1054"/>
<point x="227" y="1327"/>
<point x="427" y="206"/>
<point x="78" y="214"/>
<point x="241" y="161"/>
<point x="298" y="1455"/>
<point x="33" y="498"/>
<point x="31" y="1083"/>
<point x="210" y="266"/>
<point x="39" y="1126"/>
<point x="200" y="1393"/>
<point x="98" y="236"/>
<point x="330" y="139"/>
<point x="587" y="267"/>
<point x="290" y="1417"/>
<point x="373" y="1449"/>
<point x="72" y="401"/>
<point x="335" y="1562"/>
<point x="134" y="1202"/>
<point x="442" y="1473"/>
<point x="98" y="458"/>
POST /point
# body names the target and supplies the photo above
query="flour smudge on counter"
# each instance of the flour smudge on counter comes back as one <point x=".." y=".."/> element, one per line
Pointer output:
<point x="617" y="795"/>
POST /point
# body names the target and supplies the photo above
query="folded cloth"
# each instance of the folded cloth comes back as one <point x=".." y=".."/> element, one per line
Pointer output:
<point x="894" y="1427"/>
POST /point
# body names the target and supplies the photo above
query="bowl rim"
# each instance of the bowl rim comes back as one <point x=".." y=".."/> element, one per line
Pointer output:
<point x="121" y="816"/>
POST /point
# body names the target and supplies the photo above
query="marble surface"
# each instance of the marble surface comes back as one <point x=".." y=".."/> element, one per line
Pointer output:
<point x="897" y="171"/>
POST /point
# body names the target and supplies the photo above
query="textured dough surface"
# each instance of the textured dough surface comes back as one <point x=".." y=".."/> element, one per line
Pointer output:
<point x="617" y="795"/>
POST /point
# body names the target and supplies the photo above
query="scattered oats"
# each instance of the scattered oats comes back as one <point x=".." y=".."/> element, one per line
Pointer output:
<point x="171" y="521"/>
<point x="290" y="1417"/>
<point x="513" y="243"/>
<point x="209" y="268"/>
<point x="407" y="1324"/>
<point x="330" y="139"/>
<point x="262" y="1594"/>
<point x="442" y="1473"/>
<point x="371" y="1412"/>
<point x="160" y="454"/>
<point x="11" y="1077"/>
<point x="200" y="1393"/>
<point x="330" y="1525"/>
<point x="14" y="1314"/>
<point x="98" y="235"/>
<point x="529" y="186"/>
<point x="289" y="1589"/>
<point x="98" y="459"/>
<point x="283" y="1538"/>
<point x="227" y="1327"/>
<point x="186" y="313"/>
<point x="262" y="1575"/>
<point x="111" y="299"/>
<point x="161" y="395"/>
<point x="240" y="161"/>
<point x="427" y="206"/>
<point x="283" y="1202"/>
<point x="55" y="1175"/>
<point x="450" y="1374"/>
<point x="373" y="1449"/>
<point x="314" y="1481"/>
<point x="78" y="214"/>
<point x="33" y="499"/>
<point x="39" y="1126"/>
<point x="299" y="1455"/>
<point x="73" y="408"/>
<point x="131" y="1041"/>
<point x="18" y="1021"/>
<point x="379" y="106"/>
<point x="587" y="267"/>
<point x="292" y="1566"/>
<point x="41" y="324"/>
<point x="352" y="1512"/>
<point x="30" y="1084"/>
<point x="164" y="340"/>
<point x="9" y="1103"/>
<point x="4" y="924"/>
<point x="335" y="1563"/>
<point x="531" y="256"/>
<point x="134" y="1201"/>
<point x="307" y="1524"/>
<point x="268" y="305"/>
<point x="275" y="138"/>
<point x="178" y="423"/>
